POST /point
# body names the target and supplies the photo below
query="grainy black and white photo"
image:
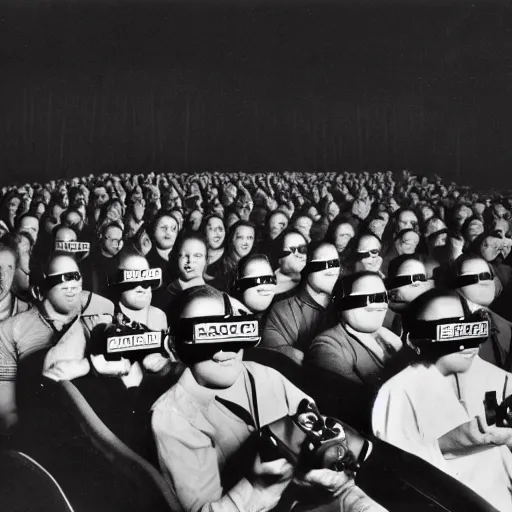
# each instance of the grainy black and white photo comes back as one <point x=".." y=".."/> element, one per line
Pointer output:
<point x="255" y="256"/>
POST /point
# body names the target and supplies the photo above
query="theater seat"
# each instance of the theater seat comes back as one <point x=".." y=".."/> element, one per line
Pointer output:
<point x="26" y="486"/>
<point x="148" y="484"/>
<point x="402" y="482"/>
<point x="278" y="361"/>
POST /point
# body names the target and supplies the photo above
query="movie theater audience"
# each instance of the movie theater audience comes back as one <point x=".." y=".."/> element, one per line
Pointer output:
<point x="331" y="267"/>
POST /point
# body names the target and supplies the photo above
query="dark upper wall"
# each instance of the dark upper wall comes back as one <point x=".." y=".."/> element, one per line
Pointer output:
<point x="93" y="86"/>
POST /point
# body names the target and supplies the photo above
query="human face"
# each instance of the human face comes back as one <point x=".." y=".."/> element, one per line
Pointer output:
<point x="258" y="298"/>
<point x="332" y="211"/>
<point x="215" y="233"/>
<point x="490" y="248"/>
<point x="400" y="297"/>
<point x="295" y="261"/>
<point x="166" y="231"/>
<point x="7" y="268"/>
<point x="224" y="368"/>
<point x="65" y="297"/>
<point x="30" y="225"/>
<point x="195" y="220"/>
<point x="342" y="236"/>
<point x="407" y="243"/>
<point x="407" y="220"/>
<point x="139" y="297"/>
<point x="13" y="206"/>
<point x="426" y="213"/>
<point x="475" y="229"/>
<point x="73" y="219"/>
<point x="373" y="260"/>
<point x="100" y="196"/>
<point x="243" y="241"/>
<point x="115" y="212"/>
<point x="458" y="362"/>
<point x="112" y="241"/>
<point x="370" y="318"/>
<point x="377" y="227"/>
<point x="191" y="260"/>
<point x="323" y="281"/>
<point x="461" y="215"/>
<point x="484" y="291"/>
<point x="277" y="224"/>
<point x="304" y="225"/>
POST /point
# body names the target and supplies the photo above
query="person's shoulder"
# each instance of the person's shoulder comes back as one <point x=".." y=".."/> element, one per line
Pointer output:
<point x="94" y="304"/>
<point x="157" y="318"/>
<point x="335" y="335"/>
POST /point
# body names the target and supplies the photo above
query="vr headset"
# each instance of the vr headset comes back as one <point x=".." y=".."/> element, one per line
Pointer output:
<point x="129" y="279"/>
<point x="499" y="415"/>
<point x="251" y="282"/>
<point x="447" y="336"/>
<point x="130" y="340"/>
<point x="198" y="339"/>
<point x="309" y="440"/>
<point x="73" y="247"/>
<point x="318" y="266"/>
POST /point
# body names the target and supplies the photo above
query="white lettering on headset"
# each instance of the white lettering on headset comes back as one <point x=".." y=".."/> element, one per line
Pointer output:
<point x="226" y="331"/>
<point x="142" y="275"/>
<point x="462" y="331"/>
<point x="142" y="341"/>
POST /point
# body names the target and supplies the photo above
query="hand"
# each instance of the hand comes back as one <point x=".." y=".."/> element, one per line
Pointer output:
<point x="473" y="435"/>
<point x="111" y="368"/>
<point x="271" y="479"/>
<point x="334" y="482"/>
<point x="67" y="369"/>
<point x="155" y="363"/>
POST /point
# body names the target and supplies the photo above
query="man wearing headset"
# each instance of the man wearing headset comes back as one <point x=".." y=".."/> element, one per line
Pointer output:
<point x="293" y="323"/>
<point x="434" y="408"/>
<point x="203" y="422"/>
<point x="60" y="325"/>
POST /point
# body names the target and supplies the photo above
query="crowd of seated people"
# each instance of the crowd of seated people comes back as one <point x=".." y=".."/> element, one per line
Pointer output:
<point x="338" y="270"/>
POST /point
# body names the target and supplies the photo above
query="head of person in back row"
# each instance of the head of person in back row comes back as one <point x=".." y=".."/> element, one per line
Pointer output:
<point x="292" y="257"/>
<point x="292" y="323"/>
<point x="367" y="255"/>
<point x="358" y="347"/>
<point x="407" y="280"/>
<point x="256" y="283"/>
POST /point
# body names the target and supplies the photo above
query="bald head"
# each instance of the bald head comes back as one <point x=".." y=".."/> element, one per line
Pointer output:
<point x="324" y="252"/>
<point x="410" y="268"/>
<point x="367" y="284"/>
<point x="474" y="265"/>
<point x="62" y="263"/>
<point x="65" y="234"/>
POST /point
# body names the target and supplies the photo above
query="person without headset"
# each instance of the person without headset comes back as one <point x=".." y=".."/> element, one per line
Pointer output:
<point x="204" y="420"/>
<point x="434" y="408"/>
<point x="56" y="330"/>
<point x="293" y="323"/>
<point x="474" y="280"/>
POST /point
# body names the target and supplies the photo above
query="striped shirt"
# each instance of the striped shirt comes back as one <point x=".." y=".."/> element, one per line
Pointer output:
<point x="28" y="332"/>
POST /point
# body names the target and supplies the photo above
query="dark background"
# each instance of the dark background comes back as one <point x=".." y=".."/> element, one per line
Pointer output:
<point x="173" y="86"/>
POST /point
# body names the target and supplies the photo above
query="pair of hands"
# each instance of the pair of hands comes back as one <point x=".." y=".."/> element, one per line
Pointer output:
<point x="474" y="435"/>
<point x="273" y="477"/>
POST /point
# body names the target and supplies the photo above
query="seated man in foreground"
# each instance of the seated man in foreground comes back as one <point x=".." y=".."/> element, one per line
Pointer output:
<point x="435" y="407"/>
<point x="202" y="423"/>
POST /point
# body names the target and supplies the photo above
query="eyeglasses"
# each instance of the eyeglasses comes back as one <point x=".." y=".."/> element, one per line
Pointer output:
<point x="400" y="281"/>
<point x="318" y="266"/>
<point x="66" y="277"/>
<point x="301" y="249"/>
<point x="251" y="282"/>
<point x="473" y="279"/>
<point x="368" y="254"/>
<point x="362" y="301"/>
